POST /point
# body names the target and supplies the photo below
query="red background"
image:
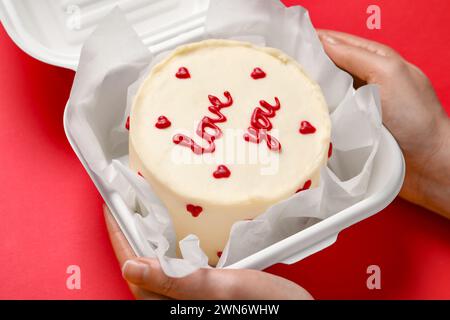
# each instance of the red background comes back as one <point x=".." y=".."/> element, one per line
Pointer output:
<point x="51" y="214"/>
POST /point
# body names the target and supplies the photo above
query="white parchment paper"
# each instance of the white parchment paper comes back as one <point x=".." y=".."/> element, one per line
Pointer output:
<point x="113" y="61"/>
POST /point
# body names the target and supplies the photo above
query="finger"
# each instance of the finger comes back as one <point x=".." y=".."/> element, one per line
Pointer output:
<point x="362" y="63"/>
<point x="217" y="284"/>
<point x="124" y="252"/>
<point x="369" y="45"/>
<point x="119" y="243"/>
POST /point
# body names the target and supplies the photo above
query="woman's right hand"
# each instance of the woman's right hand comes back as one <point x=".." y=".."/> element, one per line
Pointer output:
<point x="411" y="111"/>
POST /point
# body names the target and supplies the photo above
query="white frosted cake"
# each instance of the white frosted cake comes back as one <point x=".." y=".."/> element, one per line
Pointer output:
<point x="222" y="130"/>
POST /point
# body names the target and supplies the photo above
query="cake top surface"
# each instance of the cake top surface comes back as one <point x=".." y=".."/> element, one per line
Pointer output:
<point x="224" y="121"/>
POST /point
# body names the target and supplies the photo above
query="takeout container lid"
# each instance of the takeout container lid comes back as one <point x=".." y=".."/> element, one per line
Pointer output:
<point x="54" y="32"/>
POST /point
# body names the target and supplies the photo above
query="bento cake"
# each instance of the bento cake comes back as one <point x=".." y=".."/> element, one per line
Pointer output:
<point x="222" y="130"/>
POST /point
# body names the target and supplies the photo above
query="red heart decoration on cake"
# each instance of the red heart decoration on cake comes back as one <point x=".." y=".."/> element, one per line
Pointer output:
<point x="162" y="122"/>
<point x="258" y="73"/>
<point x="194" y="210"/>
<point x="127" y="124"/>
<point x="219" y="253"/>
<point x="306" y="128"/>
<point x="306" y="186"/>
<point x="222" y="172"/>
<point x="183" y="73"/>
<point x="330" y="150"/>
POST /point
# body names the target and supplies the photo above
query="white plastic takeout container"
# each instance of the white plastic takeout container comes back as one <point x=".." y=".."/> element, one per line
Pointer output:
<point x="53" y="31"/>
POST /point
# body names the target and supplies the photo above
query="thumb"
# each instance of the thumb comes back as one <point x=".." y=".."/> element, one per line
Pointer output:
<point x="124" y="252"/>
<point x="361" y="62"/>
<point x="212" y="284"/>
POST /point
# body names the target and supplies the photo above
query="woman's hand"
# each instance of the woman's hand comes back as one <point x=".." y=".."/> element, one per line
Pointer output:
<point x="411" y="111"/>
<point x="147" y="281"/>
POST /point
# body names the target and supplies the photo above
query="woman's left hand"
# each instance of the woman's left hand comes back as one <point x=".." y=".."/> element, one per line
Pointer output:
<point x="147" y="280"/>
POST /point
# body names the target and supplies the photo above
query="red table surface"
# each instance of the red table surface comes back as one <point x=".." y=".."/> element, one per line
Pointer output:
<point x="51" y="213"/>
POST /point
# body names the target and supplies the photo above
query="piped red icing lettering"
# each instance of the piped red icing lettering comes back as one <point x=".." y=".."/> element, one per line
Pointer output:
<point x="306" y="186"/>
<point x="194" y="210"/>
<point x="260" y="125"/>
<point x="127" y="123"/>
<point x="162" y="122"/>
<point x="258" y="73"/>
<point x="222" y="172"/>
<point x="219" y="253"/>
<point x="330" y="150"/>
<point x="306" y="128"/>
<point x="183" y="73"/>
<point x="214" y="131"/>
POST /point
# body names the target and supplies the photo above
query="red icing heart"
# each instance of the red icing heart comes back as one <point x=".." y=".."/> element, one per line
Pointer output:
<point x="183" y="73"/>
<point x="306" y="128"/>
<point x="306" y="186"/>
<point x="258" y="74"/>
<point x="127" y="124"/>
<point x="219" y="253"/>
<point x="194" y="210"/>
<point x="162" y="123"/>
<point x="330" y="150"/>
<point x="222" y="172"/>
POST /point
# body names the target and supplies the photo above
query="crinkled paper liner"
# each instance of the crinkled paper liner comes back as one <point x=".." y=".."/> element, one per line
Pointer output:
<point x="112" y="64"/>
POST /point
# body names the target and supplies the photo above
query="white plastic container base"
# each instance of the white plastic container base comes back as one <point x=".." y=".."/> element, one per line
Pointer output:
<point x="53" y="31"/>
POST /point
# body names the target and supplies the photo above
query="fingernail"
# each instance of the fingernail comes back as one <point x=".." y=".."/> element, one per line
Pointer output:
<point x="328" y="38"/>
<point x="135" y="271"/>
